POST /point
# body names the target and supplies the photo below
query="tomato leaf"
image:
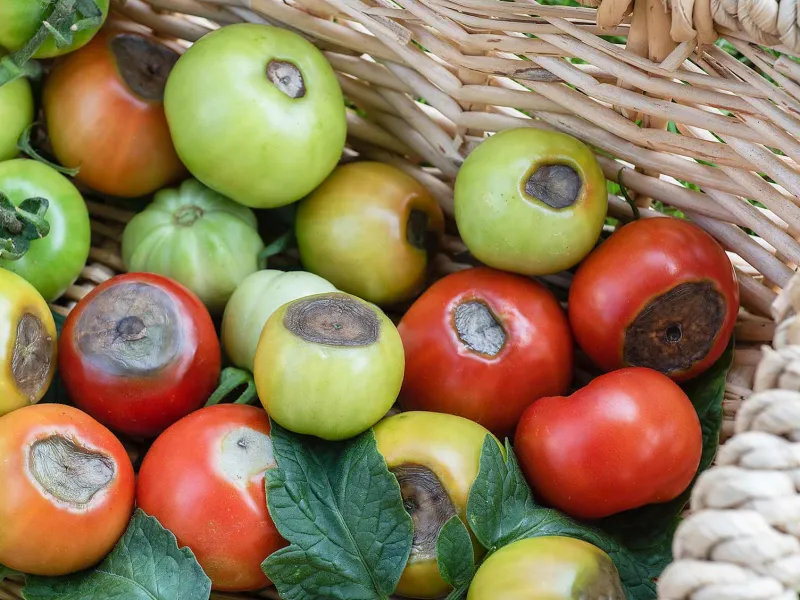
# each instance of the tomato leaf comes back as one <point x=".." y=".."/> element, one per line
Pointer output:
<point x="501" y="510"/>
<point x="146" y="564"/>
<point x="455" y="555"/>
<point x="341" y="510"/>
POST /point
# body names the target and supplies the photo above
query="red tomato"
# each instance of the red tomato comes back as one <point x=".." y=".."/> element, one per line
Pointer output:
<point x="483" y="344"/>
<point x="67" y="490"/>
<point x="203" y="479"/>
<point x="105" y="114"/>
<point x="629" y="438"/>
<point x="659" y="293"/>
<point x="138" y="353"/>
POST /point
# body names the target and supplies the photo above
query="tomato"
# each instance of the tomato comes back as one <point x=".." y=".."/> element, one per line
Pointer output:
<point x="53" y="263"/>
<point x="547" y="568"/>
<point x="328" y="365"/>
<point x="484" y="344"/>
<point x="16" y="114"/>
<point x="256" y="113"/>
<point x="203" y="479"/>
<point x="197" y="237"/>
<point x="369" y="229"/>
<point x="27" y="343"/>
<point x="67" y="493"/>
<point x="659" y="293"/>
<point x="629" y="438"/>
<point x="138" y="353"/>
<point x="105" y="114"/>
<point x="256" y="298"/>
<point x="21" y="19"/>
<point x="436" y="458"/>
<point x="530" y="201"/>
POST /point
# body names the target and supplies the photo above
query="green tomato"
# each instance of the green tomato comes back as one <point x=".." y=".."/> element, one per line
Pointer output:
<point x="197" y="237"/>
<point x="52" y="263"/>
<point x="16" y="114"/>
<point x="328" y="365"/>
<point x="547" y="568"/>
<point x="530" y="201"/>
<point x="21" y="19"/>
<point x="254" y="301"/>
<point x="256" y="113"/>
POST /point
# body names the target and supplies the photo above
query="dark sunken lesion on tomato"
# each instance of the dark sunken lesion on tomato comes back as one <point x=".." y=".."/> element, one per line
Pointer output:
<point x="32" y="356"/>
<point x="428" y="504"/>
<point x="130" y="329"/>
<point x="144" y="64"/>
<point x="558" y="186"/>
<point x="604" y="582"/>
<point x="333" y="319"/>
<point x="69" y="472"/>
<point x="478" y="328"/>
<point x="677" y="329"/>
<point x="287" y="78"/>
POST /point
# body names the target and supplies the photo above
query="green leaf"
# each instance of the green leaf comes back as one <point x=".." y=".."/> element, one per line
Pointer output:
<point x="230" y="380"/>
<point x="6" y="572"/>
<point x="501" y="510"/>
<point x="341" y="510"/>
<point x="454" y="552"/>
<point x="146" y="564"/>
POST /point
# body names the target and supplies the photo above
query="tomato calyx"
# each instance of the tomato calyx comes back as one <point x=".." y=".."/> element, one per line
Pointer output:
<point x="71" y="473"/>
<point x="428" y="504"/>
<point x="144" y="64"/>
<point x="333" y="319"/>
<point x="187" y="215"/>
<point x="478" y="328"/>
<point x="557" y="185"/>
<point x="676" y="329"/>
<point x="287" y="78"/>
<point x="20" y="225"/>
<point x="32" y="356"/>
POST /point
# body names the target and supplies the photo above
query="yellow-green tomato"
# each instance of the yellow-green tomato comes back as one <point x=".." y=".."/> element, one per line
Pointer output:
<point x="436" y="458"/>
<point x="256" y="298"/>
<point x="328" y="365"/>
<point x="16" y="114"/>
<point x="256" y="113"/>
<point x="27" y="343"/>
<point x="369" y="229"/>
<point x="530" y="201"/>
<point x="547" y="568"/>
<point x="197" y="237"/>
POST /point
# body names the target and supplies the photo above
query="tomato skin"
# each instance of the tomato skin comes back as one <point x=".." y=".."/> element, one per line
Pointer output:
<point x="443" y="374"/>
<point x="629" y="438"/>
<point x="226" y="524"/>
<point x="143" y="403"/>
<point x="120" y="140"/>
<point x="45" y="536"/>
<point x="16" y="114"/>
<point x="642" y="261"/>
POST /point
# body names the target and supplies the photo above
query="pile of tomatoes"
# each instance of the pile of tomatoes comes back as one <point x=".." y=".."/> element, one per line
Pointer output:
<point x="485" y="350"/>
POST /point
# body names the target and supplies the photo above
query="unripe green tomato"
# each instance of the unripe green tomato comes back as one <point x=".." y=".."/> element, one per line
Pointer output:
<point x="329" y="365"/>
<point x="530" y="201"/>
<point x="16" y="114"/>
<point x="197" y="237"/>
<point x="256" y="113"/>
<point x="547" y="568"/>
<point x="256" y="298"/>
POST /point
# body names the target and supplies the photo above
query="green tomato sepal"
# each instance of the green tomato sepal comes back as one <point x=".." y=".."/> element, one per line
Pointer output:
<point x="20" y="225"/>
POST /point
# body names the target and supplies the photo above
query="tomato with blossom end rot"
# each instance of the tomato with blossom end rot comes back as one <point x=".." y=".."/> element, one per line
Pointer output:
<point x="484" y="344"/>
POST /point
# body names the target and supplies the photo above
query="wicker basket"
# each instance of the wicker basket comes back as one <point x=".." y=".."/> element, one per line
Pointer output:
<point x="683" y="122"/>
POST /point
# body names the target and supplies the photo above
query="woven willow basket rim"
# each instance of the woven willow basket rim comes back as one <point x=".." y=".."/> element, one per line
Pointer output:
<point x="663" y="107"/>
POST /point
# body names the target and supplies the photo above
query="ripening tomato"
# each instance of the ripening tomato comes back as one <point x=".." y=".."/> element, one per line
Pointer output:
<point x="484" y="344"/>
<point x="138" y="353"/>
<point x="203" y="479"/>
<point x="67" y="490"/>
<point x="104" y="106"/>
<point x="659" y="293"/>
<point x="630" y="438"/>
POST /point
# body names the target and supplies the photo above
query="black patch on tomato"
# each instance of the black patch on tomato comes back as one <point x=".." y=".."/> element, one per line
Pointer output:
<point x="32" y="357"/>
<point x="478" y="328"/>
<point x="333" y="319"/>
<point x="558" y="186"/>
<point x="287" y="78"/>
<point x="144" y="64"/>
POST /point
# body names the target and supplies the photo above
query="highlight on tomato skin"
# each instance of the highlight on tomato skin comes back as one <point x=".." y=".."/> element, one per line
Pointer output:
<point x="138" y="353"/>
<point x="483" y="344"/>
<point x="203" y="479"/>
<point x="659" y="293"/>
<point x="627" y="439"/>
<point x="67" y="493"/>
<point x="104" y="107"/>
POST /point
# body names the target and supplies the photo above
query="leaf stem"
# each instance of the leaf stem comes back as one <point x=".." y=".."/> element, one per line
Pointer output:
<point x="24" y="145"/>
<point x="230" y="379"/>
<point x="279" y="245"/>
